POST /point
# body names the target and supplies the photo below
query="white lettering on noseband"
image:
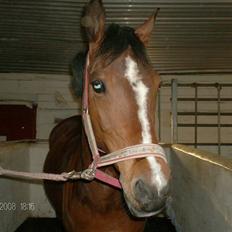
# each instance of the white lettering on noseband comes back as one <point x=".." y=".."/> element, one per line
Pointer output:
<point x="141" y="92"/>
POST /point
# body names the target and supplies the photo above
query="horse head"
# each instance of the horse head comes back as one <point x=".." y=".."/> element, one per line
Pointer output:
<point x="122" y="97"/>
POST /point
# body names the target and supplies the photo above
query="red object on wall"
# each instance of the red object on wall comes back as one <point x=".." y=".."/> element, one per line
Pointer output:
<point x="18" y="122"/>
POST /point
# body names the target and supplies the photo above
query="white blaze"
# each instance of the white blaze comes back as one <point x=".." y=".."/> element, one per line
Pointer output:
<point x="141" y="92"/>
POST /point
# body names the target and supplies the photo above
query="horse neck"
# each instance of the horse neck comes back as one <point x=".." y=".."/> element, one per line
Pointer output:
<point x="98" y="194"/>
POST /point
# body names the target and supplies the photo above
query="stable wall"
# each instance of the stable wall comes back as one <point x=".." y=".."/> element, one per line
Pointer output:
<point x="51" y="93"/>
<point x="13" y="193"/>
<point x="201" y="191"/>
<point x="37" y="154"/>
<point x="201" y="188"/>
<point x="20" y="199"/>
<point x="55" y="101"/>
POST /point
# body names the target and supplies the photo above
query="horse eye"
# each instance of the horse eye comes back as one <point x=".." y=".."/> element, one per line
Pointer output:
<point x="98" y="86"/>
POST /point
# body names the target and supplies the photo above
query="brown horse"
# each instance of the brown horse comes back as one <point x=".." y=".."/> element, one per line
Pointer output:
<point x="122" y="93"/>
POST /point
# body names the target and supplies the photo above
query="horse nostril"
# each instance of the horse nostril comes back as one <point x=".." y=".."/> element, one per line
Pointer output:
<point x="142" y="192"/>
<point x="148" y="197"/>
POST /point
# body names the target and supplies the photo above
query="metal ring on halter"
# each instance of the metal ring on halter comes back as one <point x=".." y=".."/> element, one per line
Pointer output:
<point x="87" y="174"/>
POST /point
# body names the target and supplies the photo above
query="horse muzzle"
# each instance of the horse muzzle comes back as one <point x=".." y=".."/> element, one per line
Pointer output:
<point x="147" y="189"/>
<point x="146" y="200"/>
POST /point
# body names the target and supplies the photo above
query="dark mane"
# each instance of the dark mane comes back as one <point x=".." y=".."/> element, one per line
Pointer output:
<point x="117" y="39"/>
<point x="77" y="68"/>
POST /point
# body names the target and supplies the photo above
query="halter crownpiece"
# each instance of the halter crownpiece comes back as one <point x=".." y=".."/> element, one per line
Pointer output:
<point x="132" y="152"/>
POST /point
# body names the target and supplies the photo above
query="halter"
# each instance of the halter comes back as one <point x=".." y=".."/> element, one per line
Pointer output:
<point x="131" y="152"/>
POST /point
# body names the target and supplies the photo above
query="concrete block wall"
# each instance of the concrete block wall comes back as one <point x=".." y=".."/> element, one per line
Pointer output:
<point x="37" y="154"/>
<point x="20" y="199"/>
<point x="14" y="194"/>
<point x="51" y="93"/>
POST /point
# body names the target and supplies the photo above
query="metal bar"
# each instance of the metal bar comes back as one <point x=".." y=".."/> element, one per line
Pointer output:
<point x="204" y="99"/>
<point x="198" y="84"/>
<point x="195" y="116"/>
<point x="219" y="117"/>
<point x="204" y="113"/>
<point x="164" y="72"/>
<point x="195" y="113"/>
<point x="174" y="119"/>
<point x="207" y="144"/>
<point x="159" y="113"/>
<point x="202" y="125"/>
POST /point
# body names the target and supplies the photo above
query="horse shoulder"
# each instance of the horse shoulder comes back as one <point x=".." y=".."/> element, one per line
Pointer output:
<point x="65" y="130"/>
<point x="64" y="147"/>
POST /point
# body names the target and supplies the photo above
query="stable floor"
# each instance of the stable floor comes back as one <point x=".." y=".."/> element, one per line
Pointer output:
<point x="54" y="225"/>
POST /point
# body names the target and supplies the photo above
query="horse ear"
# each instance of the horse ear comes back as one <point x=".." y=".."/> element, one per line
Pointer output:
<point x="144" y="31"/>
<point x="94" y="23"/>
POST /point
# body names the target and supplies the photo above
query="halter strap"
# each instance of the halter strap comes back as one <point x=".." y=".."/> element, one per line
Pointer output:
<point x="132" y="152"/>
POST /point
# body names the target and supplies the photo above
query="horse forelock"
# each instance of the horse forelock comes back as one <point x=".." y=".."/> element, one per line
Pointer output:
<point x="118" y="39"/>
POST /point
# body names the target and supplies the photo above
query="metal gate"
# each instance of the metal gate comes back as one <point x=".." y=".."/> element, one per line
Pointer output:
<point x="219" y="116"/>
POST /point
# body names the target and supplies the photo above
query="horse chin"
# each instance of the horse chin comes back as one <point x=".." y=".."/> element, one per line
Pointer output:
<point x="143" y="214"/>
<point x="139" y="213"/>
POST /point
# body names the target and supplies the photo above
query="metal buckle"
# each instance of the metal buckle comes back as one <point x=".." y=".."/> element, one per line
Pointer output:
<point x="87" y="174"/>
